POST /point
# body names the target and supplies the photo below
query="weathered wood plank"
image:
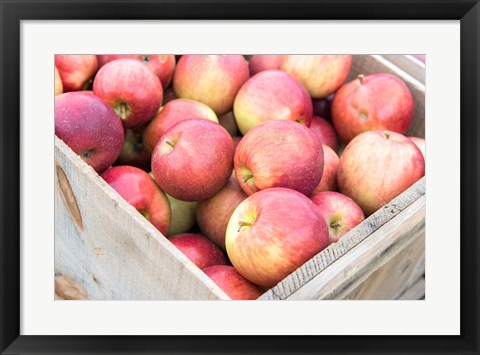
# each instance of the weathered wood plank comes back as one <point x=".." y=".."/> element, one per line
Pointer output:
<point x="415" y="292"/>
<point x="109" y="248"/>
<point x="332" y="255"/>
<point x="409" y="64"/>
<point x="391" y="280"/>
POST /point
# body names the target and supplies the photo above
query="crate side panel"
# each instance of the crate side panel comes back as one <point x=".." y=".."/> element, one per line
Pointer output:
<point x="113" y="251"/>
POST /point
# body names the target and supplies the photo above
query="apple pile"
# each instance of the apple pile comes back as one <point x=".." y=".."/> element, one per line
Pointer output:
<point x="249" y="165"/>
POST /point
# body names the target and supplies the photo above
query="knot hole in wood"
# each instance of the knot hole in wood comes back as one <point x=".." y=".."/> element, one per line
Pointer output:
<point x="69" y="197"/>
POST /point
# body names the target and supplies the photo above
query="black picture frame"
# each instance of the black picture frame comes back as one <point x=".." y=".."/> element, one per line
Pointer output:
<point x="13" y="12"/>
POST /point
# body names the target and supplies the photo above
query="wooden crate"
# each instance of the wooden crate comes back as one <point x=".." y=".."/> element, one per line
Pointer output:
<point x="114" y="253"/>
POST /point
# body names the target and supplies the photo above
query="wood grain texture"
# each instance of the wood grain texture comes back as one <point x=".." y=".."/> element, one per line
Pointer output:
<point x="414" y="292"/>
<point x="392" y="279"/>
<point x="342" y="266"/>
<point x="115" y="253"/>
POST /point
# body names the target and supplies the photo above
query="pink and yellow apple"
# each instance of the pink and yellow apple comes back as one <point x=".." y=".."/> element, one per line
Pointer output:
<point x="161" y="65"/>
<point x="328" y="182"/>
<point x="139" y="190"/>
<point x="340" y="212"/>
<point x="261" y="62"/>
<point x="377" y="166"/>
<point x="325" y="132"/>
<point x="58" y="83"/>
<point x="271" y="95"/>
<point x="133" y="91"/>
<point x="420" y="143"/>
<point x="89" y="127"/>
<point x="232" y="283"/>
<point x="211" y="79"/>
<point x="76" y="71"/>
<point x="175" y="111"/>
<point x="193" y="159"/>
<point x="201" y="251"/>
<point x="214" y="213"/>
<point x="279" y="153"/>
<point x="272" y="233"/>
<point x="183" y="215"/>
<point x="321" y="75"/>
<point x="378" y="101"/>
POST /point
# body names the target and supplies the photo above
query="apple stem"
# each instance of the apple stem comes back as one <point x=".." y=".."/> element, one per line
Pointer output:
<point x="242" y="224"/>
<point x="360" y="78"/>
<point x="247" y="177"/>
<point x="387" y="135"/>
<point x="170" y="144"/>
<point x="335" y="225"/>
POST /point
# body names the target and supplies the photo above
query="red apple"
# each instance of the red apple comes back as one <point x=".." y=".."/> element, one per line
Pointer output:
<point x="271" y="95"/>
<point x="279" y="154"/>
<point x="58" y="83"/>
<point x="325" y="132"/>
<point x="211" y="79"/>
<point x="133" y="152"/>
<point x="272" y="233"/>
<point x="193" y="160"/>
<point x="139" y="190"/>
<point x="258" y="63"/>
<point x="328" y="182"/>
<point x="321" y="107"/>
<point x="321" y="75"/>
<point x="377" y="166"/>
<point x="420" y="143"/>
<point x="214" y="213"/>
<point x="372" y="102"/>
<point x="201" y="251"/>
<point x="228" y="122"/>
<point x="175" y="111"/>
<point x="161" y="65"/>
<point x="183" y="215"/>
<point x="232" y="283"/>
<point x="169" y="95"/>
<point x="89" y="127"/>
<point x="340" y="212"/>
<point x="133" y="91"/>
<point x="76" y="71"/>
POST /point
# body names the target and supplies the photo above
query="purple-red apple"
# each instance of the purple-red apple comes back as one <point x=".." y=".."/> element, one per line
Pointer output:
<point x="161" y="65"/>
<point x="232" y="283"/>
<point x="76" y="71"/>
<point x="211" y="79"/>
<point x="214" y="213"/>
<point x="193" y="159"/>
<point x="200" y="250"/>
<point x="340" y="212"/>
<point x="271" y="95"/>
<point x="325" y="132"/>
<point x="58" y="83"/>
<point x="228" y="122"/>
<point x="175" y="111"/>
<point x="133" y="152"/>
<point x="183" y="215"/>
<point x="140" y="191"/>
<point x="89" y="127"/>
<point x="279" y="153"/>
<point x="328" y="182"/>
<point x="420" y="143"/>
<point x="377" y="166"/>
<point x="258" y="63"/>
<point x="321" y="107"/>
<point x="133" y="90"/>
<point x="321" y="75"/>
<point x="272" y="233"/>
<point x="373" y="102"/>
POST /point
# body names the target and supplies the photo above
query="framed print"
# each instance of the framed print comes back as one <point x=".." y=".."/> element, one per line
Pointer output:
<point x="86" y="270"/>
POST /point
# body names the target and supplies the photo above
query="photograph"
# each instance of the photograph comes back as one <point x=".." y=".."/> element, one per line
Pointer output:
<point x="239" y="177"/>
